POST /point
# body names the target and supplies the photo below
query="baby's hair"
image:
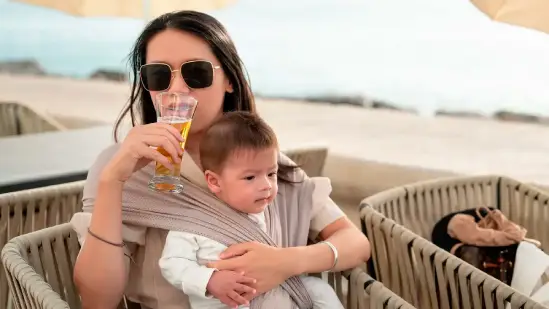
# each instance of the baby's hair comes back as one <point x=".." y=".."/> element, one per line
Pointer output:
<point x="232" y="132"/>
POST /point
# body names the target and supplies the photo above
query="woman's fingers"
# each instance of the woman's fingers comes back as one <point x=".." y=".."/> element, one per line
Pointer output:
<point x="153" y="154"/>
<point x="236" y="250"/>
<point x="174" y="150"/>
<point x="163" y="132"/>
<point x="249" y="296"/>
<point x="169" y="129"/>
<point x="246" y="280"/>
<point x="238" y="298"/>
<point x="229" y="302"/>
<point x="232" y="264"/>
<point x="244" y="289"/>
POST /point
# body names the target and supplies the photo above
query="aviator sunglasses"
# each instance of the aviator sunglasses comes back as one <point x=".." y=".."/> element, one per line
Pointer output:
<point x="197" y="74"/>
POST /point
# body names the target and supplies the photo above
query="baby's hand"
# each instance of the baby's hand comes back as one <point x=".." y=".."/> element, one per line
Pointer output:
<point x="229" y="287"/>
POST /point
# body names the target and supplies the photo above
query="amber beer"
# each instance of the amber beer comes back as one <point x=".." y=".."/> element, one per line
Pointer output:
<point x="177" y="110"/>
<point x="183" y="127"/>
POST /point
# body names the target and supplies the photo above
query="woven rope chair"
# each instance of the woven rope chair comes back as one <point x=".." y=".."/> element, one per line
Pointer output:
<point x="399" y="223"/>
<point x="311" y="160"/>
<point x="40" y="269"/>
<point x="30" y="210"/>
<point x="420" y="205"/>
<point x="18" y="119"/>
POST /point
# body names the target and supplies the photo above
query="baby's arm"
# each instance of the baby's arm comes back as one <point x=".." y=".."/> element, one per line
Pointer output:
<point x="180" y="267"/>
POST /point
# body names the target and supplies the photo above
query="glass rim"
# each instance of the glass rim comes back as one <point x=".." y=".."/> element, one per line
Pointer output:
<point x="175" y="93"/>
<point x="189" y="102"/>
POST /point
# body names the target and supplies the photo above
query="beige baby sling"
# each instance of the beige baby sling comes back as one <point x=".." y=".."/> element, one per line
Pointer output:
<point x="198" y="211"/>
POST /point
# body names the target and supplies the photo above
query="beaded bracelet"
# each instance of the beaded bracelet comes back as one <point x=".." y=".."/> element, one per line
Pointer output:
<point x="105" y="241"/>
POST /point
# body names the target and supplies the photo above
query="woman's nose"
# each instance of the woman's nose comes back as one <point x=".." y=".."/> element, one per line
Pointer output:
<point x="178" y="84"/>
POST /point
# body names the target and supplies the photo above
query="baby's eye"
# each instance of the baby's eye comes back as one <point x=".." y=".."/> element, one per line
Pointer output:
<point x="249" y="178"/>
<point x="273" y="174"/>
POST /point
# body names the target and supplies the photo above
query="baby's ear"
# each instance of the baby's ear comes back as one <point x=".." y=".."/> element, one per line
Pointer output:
<point x="212" y="179"/>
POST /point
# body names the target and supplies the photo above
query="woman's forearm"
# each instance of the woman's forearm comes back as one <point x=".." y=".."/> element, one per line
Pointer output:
<point x="352" y="246"/>
<point x="100" y="272"/>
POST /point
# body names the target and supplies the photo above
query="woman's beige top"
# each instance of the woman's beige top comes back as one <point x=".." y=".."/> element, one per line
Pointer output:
<point x="146" y="284"/>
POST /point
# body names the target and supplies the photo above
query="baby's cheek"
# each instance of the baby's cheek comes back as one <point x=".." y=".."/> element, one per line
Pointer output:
<point x="274" y="190"/>
<point x="273" y="196"/>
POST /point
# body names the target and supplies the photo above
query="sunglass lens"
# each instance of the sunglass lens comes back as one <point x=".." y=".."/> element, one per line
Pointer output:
<point x="156" y="77"/>
<point x="197" y="74"/>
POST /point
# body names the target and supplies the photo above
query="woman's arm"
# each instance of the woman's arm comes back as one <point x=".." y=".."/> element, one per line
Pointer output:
<point x="329" y="223"/>
<point x="271" y="265"/>
<point x="352" y="245"/>
<point x="101" y="269"/>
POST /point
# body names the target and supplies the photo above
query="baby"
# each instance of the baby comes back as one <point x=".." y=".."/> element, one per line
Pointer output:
<point x="239" y="155"/>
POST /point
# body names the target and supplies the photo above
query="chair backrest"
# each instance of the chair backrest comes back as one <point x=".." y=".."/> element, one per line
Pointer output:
<point x="311" y="160"/>
<point x="527" y="205"/>
<point x="31" y="210"/>
<point x="18" y="119"/>
<point x="420" y="205"/>
<point x="40" y="267"/>
<point x="427" y="276"/>
<point x="365" y="292"/>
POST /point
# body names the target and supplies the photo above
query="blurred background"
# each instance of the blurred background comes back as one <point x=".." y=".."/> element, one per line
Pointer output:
<point x="397" y="91"/>
<point x="425" y="55"/>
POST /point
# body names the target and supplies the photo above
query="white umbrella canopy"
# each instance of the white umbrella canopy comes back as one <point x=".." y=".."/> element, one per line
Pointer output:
<point x="532" y="14"/>
<point x="141" y="9"/>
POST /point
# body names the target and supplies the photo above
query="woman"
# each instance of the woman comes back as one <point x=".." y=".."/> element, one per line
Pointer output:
<point x="186" y="52"/>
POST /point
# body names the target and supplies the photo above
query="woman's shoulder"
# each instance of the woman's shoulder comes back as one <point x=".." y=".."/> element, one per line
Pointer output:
<point x="105" y="156"/>
<point x="92" y="180"/>
<point x="103" y="159"/>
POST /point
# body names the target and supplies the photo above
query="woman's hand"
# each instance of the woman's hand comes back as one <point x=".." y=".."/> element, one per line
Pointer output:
<point x="270" y="266"/>
<point x="138" y="149"/>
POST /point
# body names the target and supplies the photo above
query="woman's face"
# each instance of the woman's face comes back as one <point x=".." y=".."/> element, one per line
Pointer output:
<point x="174" y="48"/>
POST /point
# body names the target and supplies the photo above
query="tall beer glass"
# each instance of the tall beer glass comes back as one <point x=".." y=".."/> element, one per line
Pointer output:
<point x="177" y="110"/>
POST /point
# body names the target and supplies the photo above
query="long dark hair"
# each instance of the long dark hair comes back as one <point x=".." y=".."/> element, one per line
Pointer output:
<point x="216" y="36"/>
<point x="222" y="46"/>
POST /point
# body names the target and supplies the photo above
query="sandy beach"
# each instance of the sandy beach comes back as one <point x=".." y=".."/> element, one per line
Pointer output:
<point x="369" y="149"/>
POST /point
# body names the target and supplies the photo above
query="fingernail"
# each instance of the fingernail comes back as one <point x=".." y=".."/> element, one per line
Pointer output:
<point x="253" y="292"/>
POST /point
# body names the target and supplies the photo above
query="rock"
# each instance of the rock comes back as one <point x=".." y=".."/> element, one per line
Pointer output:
<point x="376" y="104"/>
<point x="516" y="117"/>
<point x="544" y="120"/>
<point x="358" y="101"/>
<point x="350" y="100"/>
<point x="112" y="75"/>
<point x="460" y="114"/>
<point x="27" y="67"/>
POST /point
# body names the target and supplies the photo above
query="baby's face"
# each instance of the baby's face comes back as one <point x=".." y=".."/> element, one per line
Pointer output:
<point x="248" y="180"/>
